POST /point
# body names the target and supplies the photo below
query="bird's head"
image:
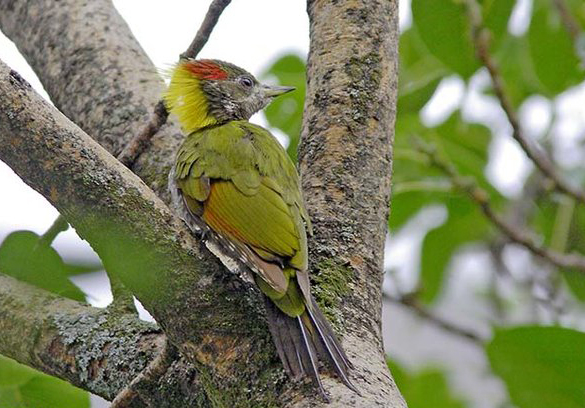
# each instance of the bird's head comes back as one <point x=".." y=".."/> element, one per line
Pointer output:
<point x="207" y="92"/>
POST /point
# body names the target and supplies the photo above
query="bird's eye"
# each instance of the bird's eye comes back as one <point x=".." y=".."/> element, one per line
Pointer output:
<point x="246" y="81"/>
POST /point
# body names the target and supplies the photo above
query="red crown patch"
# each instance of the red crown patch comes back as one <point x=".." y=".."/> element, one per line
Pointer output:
<point x="206" y="69"/>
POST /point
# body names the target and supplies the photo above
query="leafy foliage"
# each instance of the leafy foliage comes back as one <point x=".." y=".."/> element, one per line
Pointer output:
<point x="286" y="112"/>
<point x="450" y="42"/>
<point x="420" y="73"/>
<point x="428" y="388"/>
<point x="25" y="257"/>
<point x="541" y="366"/>
<point x="23" y="387"/>
<point x="549" y="41"/>
<point x="532" y="361"/>
<point x="466" y="146"/>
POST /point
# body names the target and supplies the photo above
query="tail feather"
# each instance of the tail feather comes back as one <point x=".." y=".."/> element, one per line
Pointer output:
<point x="328" y="336"/>
<point x="300" y="341"/>
<point x="310" y="350"/>
<point x="287" y="340"/>
<point x="336" y="356"/>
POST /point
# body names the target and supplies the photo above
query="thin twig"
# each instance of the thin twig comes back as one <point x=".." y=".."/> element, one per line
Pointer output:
<point x="159" y="117"/>
<point x="572" y="27"/>
<point x="481" y="37"/>
<point x="412" y="303"/>
<point x="123" y="299"/>
<point x="152" y="372"/>
<point x="568" y="20"/>
<point x="215" y="9"/>
<point x="481" y="198"/>
<point x="141" y="141"/>
<point x="59" y="225"/>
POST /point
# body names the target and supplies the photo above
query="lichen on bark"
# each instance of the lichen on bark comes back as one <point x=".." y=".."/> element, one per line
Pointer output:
<point x="345" y="160"/>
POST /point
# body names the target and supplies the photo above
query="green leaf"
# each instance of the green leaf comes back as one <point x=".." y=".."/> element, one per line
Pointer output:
<point x="50" y="392"/>
<point x="428" y="388"/>
<point x="466" y="146"/>
<point x="23" y="257"/>
<point x="13" y="373"/>
<point x="286" y="111"/>
<point x="465" y="224"/>
<point x="23" y="387"/>
<point x="420" y="73"/>
<point x="563" y="234"/>
<point x="496" y="14"/>
<point x="576" y="283"/>
<point x="444" y="28"/>
<point x="406" y="204"/>
<point x="81" y="267"/>
<point x="552" y="50"/>
<point x="542" y="367"/>
<point x="516" y="68"/>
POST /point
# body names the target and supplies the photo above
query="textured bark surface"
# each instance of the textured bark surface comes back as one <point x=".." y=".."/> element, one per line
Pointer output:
<point x="345" y="161"/>
<point x="139" y="240"/>
<point x="97" y="74"/>
<point x="88" y="347"/>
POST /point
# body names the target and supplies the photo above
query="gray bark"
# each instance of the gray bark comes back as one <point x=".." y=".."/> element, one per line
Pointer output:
<point x="345" y="160"/>
<point x="91" y="348"/>
<point x="205" y="311"/>
<point x="98" y="75"/>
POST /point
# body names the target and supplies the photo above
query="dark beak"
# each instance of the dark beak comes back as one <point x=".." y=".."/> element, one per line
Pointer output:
<point x="273" y="91"/>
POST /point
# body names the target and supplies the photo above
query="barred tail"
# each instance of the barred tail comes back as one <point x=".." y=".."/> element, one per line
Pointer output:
<point x="302" y="340"/>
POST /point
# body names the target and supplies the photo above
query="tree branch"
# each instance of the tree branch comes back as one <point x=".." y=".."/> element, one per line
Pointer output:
<point x="139" y="240"/>
<point x="141" y="141"/>
<point x="413" y="304"/>
<point x="345" y="163"/>
<point x="97" y="74"/>
<point x="160" y="114"/>
<point x="110" y="88"/>
<point x="155" y="369"/>
<point x="481" y="36"/>
<point x="481" y="198"/>
<point x="572" y="26"/>
<point x="90" y="347"/>
<point x="213" y="13"/>
<point x="76" y="342"/>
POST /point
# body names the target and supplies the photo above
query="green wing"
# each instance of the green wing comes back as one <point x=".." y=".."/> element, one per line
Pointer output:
<point x="241" y="182"/>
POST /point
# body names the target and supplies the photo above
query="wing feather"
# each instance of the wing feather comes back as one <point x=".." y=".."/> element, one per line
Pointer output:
<point x="242" y="184"/>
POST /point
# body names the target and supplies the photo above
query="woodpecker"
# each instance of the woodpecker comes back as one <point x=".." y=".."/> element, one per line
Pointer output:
<point x="234" y="179"/>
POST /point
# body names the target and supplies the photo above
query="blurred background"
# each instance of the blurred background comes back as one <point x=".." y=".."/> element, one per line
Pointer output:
<point x="471" y="318"/>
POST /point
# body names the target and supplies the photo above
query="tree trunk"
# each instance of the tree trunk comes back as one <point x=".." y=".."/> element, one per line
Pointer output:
<point x="97" y="74"/>
<point x="346" y="163"/>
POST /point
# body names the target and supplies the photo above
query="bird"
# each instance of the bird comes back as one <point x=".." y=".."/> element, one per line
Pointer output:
<point x="232" y="179"/>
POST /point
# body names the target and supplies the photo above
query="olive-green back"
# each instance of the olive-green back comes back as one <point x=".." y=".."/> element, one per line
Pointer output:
<point x="240" y="180"/>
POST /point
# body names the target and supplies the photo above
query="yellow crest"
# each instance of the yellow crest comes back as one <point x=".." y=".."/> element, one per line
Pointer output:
<point x="185" y="98"/>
